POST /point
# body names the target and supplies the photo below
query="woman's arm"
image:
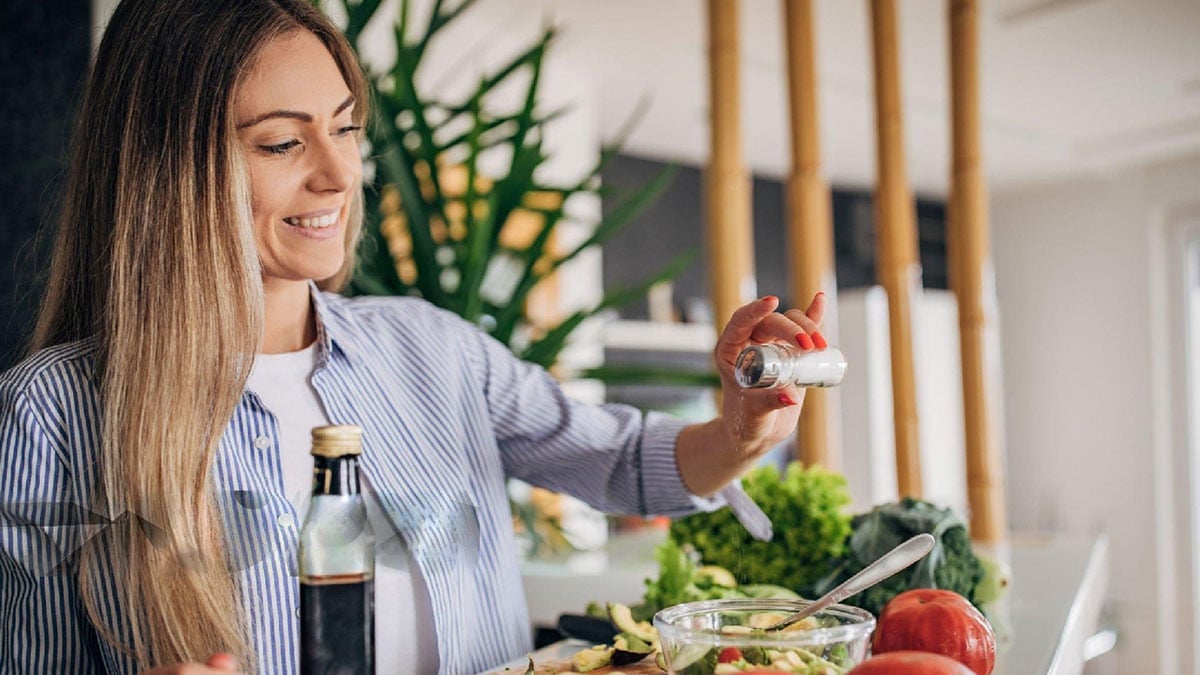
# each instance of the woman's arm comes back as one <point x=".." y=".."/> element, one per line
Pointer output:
<point x="752" y="421"/>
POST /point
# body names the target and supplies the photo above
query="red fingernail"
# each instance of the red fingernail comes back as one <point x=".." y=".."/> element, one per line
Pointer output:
<point x="786" y="400"/>
<point x="820" y="292"/>
<point x="804" y="341"/>
<point x="819" y="340"/>
<point x="769" y="298"/>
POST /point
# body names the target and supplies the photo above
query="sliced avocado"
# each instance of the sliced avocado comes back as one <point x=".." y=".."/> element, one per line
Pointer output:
<point x="588" y="660"/>
<point x="755" y="656"/>
<point x="719" y="576"/>
<point x="660" y="660"/>
<point x="629" y="649"/>
<point x="622" y="618"/>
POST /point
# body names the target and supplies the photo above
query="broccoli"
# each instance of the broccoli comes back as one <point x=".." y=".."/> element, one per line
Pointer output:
<point x="951" y="565"/>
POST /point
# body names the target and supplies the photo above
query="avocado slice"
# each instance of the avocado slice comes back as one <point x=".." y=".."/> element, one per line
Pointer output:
<point x="629" y="649"/>
<point x="587" y="660"/>
<point x="719" y="576"/>
<point x="622" y="618"/>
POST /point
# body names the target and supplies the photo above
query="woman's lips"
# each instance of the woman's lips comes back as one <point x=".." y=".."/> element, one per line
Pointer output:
<point x="324" y="226"/>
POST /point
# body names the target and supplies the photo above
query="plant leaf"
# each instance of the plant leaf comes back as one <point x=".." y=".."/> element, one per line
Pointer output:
<point x="545" y="351"/>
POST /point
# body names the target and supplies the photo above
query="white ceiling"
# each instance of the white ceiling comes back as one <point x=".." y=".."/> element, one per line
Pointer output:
<point x="1069" y="86"/>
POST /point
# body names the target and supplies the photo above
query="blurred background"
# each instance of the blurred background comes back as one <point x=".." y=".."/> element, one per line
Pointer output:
<point x="1090" y="113"/>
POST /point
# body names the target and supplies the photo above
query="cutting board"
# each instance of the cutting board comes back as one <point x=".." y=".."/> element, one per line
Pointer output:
<point x="558" y="664"/>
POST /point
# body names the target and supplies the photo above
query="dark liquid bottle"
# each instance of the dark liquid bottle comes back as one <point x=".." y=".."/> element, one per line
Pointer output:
<point x="337" y="562"/>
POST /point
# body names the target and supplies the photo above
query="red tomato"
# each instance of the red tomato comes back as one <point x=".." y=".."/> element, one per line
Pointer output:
<point x="910" y="663"/>
<point x="729" y="654"/>
<point x="937" y="621"/>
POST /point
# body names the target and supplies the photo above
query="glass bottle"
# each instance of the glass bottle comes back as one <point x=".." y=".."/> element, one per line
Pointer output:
<point x="337" y="561"/>
<point x="778" y="365"/>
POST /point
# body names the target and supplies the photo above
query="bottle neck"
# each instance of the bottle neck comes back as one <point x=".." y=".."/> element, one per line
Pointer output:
<point x="335" y="476"/>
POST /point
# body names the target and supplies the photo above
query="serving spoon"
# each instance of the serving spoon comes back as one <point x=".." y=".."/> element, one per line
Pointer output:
<point x="890" y="563"/>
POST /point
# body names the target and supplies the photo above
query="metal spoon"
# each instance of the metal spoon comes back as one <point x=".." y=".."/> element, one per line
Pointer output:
<point x="892" y="562"/>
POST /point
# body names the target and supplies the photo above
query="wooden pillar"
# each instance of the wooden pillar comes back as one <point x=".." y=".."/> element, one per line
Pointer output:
<point x="809" y="228"/>
<point x="899" y="269"/>
<point x="971" y="269"/>
<point x="729" y="232"/>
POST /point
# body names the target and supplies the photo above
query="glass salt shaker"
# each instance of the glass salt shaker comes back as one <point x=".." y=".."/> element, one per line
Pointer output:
<point x="778" y="365"/>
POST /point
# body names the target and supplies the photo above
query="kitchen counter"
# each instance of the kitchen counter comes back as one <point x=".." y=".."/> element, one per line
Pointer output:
<point x="1053" y="605"/>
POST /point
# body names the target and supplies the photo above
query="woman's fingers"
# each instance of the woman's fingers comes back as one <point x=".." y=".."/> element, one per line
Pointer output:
<point x="759" y="323"/>
<point x="741" y="326"/>
<point x="810" y="321"/>
<point x="794" y="327"/>
<point x="782" y="328"/>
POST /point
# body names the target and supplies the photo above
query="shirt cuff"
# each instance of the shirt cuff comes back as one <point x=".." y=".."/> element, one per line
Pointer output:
<point x="663" y="488"/>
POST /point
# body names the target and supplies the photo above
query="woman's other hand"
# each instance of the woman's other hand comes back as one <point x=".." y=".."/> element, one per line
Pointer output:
<point x="757" y="420"/>
<point x="217" y="664"/>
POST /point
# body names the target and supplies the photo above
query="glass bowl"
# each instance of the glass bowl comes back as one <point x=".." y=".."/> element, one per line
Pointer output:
<point x="696" y="637"/>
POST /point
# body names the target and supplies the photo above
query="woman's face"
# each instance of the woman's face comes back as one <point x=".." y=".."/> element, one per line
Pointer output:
<point x="293" y="116"/>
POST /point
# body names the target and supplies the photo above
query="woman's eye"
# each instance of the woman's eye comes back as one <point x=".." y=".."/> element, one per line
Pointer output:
<point x="347" y="131"/>
<point x="280" y="148"/>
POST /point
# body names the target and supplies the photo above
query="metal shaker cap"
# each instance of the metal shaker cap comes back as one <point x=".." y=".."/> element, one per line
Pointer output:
<point x="757" y="367"/>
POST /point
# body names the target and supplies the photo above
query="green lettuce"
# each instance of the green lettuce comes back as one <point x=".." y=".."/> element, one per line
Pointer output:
<point x="806" y="507"/>
<point x="678" y="582"/>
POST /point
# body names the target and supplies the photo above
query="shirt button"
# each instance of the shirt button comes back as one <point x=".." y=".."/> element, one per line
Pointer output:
<point x="262" y="442"/>
<point x="286" y="520"/>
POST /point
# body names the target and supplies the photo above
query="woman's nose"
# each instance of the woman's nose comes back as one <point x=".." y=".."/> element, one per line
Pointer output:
<point x="334" y="168"/>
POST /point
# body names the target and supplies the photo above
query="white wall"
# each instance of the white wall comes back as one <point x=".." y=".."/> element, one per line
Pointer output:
<point x="868" y="456"/>
<point x="1082" y="273"/>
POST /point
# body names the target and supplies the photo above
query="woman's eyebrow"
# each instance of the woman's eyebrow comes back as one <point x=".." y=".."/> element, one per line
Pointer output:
<point x="293" y="114"/>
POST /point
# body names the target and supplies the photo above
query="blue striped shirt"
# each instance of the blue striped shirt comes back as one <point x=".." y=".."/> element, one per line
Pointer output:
<point x="448" y="412"/>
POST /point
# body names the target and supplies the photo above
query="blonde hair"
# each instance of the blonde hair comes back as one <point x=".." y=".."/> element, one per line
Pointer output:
<point x="155" y="259"/>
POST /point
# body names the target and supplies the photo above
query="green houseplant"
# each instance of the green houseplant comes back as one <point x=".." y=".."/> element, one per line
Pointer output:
<point x="438" y="226"/>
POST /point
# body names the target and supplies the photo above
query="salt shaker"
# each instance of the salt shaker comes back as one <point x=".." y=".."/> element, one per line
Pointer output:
<point x="778" y="365"/>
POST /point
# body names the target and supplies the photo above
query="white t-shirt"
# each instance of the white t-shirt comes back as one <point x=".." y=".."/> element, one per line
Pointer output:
<point x="404" y="633"/>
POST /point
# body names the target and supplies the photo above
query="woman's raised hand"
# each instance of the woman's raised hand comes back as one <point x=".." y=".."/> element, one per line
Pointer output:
<point x="217" y="664"/>
<point x="759" y="419"/>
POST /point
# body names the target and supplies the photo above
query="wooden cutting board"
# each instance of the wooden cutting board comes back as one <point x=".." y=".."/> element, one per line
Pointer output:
<point x="553" y="666"/>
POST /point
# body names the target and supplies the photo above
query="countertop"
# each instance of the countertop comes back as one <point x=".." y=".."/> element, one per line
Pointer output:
<point x="1053" y="605"/>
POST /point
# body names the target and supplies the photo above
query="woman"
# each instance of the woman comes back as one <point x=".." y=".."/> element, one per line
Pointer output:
<point x="214" y="188"/>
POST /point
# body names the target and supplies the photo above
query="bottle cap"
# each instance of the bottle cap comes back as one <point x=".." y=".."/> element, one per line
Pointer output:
<point x="337" y="440"/>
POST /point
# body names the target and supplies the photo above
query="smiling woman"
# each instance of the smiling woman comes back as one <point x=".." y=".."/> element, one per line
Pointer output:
<point x="191" y="337"/>
<point x="301" y="141"/>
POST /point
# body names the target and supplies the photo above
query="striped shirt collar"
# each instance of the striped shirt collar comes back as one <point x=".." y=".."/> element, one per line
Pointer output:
<point x="337" y="332"/>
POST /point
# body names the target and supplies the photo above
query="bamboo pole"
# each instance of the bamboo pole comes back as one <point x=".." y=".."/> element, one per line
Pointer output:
<point x="729" y="232"/>
<point x="898" y="268"/>
<point x="810" y="232"/>
<point x="970" y="266"/>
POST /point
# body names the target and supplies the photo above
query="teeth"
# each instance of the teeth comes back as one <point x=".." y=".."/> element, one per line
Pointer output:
<point x="322" y="222"/>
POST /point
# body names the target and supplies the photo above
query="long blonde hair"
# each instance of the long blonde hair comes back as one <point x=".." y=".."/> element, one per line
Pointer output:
<point x="155" y="259"/>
